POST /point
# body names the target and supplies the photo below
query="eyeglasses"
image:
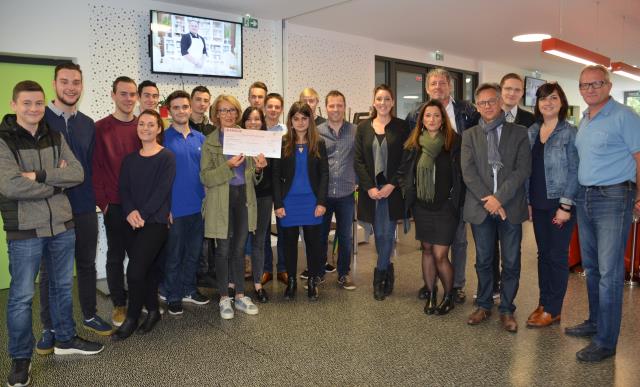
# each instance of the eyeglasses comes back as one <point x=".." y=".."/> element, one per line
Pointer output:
<point x="489" y="102"/>
<point x="594" y="85"/>
<point x="227" y="111"/>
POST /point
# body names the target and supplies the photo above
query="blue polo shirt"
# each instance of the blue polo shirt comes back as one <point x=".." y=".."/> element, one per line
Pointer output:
<point x="606" y="144"/>
<point x="188" y="191"/>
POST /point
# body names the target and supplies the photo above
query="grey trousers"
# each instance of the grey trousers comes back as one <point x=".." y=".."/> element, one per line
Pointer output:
<point x="459" y="255"/>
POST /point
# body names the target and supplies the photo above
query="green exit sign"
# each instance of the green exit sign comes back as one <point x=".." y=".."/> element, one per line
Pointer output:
<point x="249" y="22"/>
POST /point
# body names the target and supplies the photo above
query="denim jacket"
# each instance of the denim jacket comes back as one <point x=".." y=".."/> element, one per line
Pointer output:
<point x="560" y="161"/>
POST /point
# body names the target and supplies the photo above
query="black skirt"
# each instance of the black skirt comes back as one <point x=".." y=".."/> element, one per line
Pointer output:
<point x="437" y="227"/>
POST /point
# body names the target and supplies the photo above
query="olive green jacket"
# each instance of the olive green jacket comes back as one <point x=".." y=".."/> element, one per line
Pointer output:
<point x="215" y="174"/>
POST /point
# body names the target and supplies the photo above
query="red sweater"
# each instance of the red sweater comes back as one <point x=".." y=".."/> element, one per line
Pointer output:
<point x="114" y="140"/>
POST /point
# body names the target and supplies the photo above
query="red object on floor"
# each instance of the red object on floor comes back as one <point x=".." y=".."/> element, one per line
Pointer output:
<point x="627" y="253"/>
<point x="574" y="249"/>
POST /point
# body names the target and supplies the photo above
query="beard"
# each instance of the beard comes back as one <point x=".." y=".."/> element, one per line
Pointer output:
<point x="66" y="101"/>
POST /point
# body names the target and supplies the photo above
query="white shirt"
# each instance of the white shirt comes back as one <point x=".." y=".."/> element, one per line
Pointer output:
<point x="451" y="114"/>
<point x="513" y="112"/>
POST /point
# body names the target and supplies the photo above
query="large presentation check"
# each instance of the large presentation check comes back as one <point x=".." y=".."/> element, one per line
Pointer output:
<point x="251" y="142"/>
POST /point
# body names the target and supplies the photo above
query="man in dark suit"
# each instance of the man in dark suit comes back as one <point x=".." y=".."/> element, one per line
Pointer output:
<point x="496" y="161"/>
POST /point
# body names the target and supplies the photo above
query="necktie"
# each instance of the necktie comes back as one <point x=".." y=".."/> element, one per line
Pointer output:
<point x="509" y="117"/>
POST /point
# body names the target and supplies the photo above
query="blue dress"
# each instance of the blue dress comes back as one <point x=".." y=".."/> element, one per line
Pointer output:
<point x="300" y="202"/>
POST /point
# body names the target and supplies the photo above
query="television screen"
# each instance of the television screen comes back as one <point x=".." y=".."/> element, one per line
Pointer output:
<point x="530" y="87"/>
<point x="191" y="45"/>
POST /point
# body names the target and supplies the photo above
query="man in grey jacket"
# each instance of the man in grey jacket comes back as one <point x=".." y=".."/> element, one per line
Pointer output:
<point x="496" y="161"/>
<point x="36" y="165"/>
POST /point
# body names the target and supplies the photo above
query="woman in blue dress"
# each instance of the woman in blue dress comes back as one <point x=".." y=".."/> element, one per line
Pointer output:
<point x="300" y="183"/>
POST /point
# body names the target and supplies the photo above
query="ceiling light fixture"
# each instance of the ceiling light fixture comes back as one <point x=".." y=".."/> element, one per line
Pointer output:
<point x="626" y="70"/>
<point x="410" y="97"/>
<point x="527" y="38"/>
<point x="573" y="53"/>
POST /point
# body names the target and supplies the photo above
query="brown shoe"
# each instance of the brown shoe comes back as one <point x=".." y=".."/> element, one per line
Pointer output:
<point x="283" y="277"/>
<point x="544" y="319"/>
<point x="539" y="310"/>
<point x="509" y="323"/>
<point x="266" y="277"/>
<point x="478" y="316"/>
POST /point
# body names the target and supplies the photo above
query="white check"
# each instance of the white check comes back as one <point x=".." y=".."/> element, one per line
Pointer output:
<point x="252" y="142"/>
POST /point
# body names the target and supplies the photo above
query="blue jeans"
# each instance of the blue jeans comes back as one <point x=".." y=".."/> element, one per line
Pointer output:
<point x="484" y="236"/>
<point x="182" y="253"/>
<point x="343" y="208"/>
<point x="384" y="231"/>
<point x="604" y="219"/>
<point x="268" y="256"/>
<point x="24" y="263"/>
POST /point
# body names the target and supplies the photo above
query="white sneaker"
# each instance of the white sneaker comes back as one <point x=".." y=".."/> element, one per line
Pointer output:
<point x="226" y="311"/>
<point x="245" y="305"/>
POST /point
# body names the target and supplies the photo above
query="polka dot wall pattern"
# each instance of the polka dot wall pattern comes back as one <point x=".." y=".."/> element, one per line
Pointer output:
<point x="119" y="46"/>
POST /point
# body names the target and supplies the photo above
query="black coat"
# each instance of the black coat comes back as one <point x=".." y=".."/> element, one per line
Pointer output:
<point x="396" y="133"/>
<point x="284" y="169"/>
<point x="524" y="118"/>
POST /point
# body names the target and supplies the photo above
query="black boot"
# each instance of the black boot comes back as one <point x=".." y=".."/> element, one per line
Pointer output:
<point x="312" y="288"/>
<point x="149" y="322"/>
<point x="292" y="286"/>
<point x="125" y="330"/>
<point x="446" y="305"/>
<point x="389" y="280"/>
<point x="430" y="307"/>
<point x="378" y="284"/>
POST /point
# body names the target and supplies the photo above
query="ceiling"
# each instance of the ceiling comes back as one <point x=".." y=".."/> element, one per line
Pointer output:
<point x="479" y="29"/>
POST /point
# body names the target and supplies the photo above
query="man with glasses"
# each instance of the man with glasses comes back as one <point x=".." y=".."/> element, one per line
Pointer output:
<point x="496" y="161"/>
<point x="608" y="143"/>
<point x="462" y="115"/>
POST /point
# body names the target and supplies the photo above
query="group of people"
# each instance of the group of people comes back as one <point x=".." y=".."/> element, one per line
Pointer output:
<point x="183" y="211"/>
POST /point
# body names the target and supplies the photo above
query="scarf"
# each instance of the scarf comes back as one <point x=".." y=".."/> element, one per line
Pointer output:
<point x="491" y="130"/>
<point x="426" y="167"/>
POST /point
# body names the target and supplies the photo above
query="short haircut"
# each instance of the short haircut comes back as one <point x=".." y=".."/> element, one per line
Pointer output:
<point x="601" y="68"/>
<point x="439" y="72"/>
<point x="546" y="90"/>
<point x="334" y="93"/>
<point x="175" y="95"/>
<point x="258" y="85"/>
<point x="25" y="86"/>
<point x="200" y="89"/>
<point x="66" y="66"/>
<point x="487" y="86"/>
<point x="144" y="84"/>
<point x="274" y="96"/>
<point x="123" y="79"/>
<point x="213" y="110"/>
<point x="309" y="92"/>
<point x="511" y="76"/>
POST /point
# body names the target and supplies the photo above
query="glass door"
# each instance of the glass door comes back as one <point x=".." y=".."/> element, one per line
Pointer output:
<point x="410" y="93"/>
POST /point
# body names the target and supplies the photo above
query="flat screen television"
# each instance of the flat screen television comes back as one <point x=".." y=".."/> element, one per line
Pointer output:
<point x="192" y="45"/>
<point x="530" y="87"/>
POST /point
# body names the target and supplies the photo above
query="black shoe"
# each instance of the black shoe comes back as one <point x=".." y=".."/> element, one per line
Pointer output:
<point x="446" y="305"/>
<point x="196" y="298"/>
<point x="329" y="268"/>
<point x="125" y="330"/>
<point x="304" y="274"/>
<point x="20" y="374"/>
<point x="261" y="296"/>
<point x="149" y="322"/>
<point x="77" y="346"/>
<point x="378" y="284"/>
<point x="584" y="329"/>
<point x="292" y="286"/>
<point x="312" y="288"/>
<point x="231" y="292"/>
<point x="389" y="281"/>
<point x="175" y="308"/>
<point x="594" y="353"/>
<point x="459" y="295"/>
<point x="424" y="293"/>
<point x="430" y="306"/>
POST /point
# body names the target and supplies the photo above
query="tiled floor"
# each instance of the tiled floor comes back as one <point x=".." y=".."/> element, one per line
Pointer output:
<point x="348" y="338"/>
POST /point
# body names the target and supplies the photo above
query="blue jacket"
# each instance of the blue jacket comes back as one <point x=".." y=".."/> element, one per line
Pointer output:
<point x="560" y="161"/>
<point x="80" y="134"/>
<point x="465" y="113"/>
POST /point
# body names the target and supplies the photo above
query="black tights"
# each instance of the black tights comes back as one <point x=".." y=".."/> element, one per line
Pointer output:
<point x="435" y="263"/>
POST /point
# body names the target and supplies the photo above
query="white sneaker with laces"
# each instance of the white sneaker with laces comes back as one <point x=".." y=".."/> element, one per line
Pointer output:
<point x="245" y="305"/>
<point x="226" y="311"/>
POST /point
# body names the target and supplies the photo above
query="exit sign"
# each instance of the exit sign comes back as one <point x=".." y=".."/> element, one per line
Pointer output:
<point x="249" y="22"/>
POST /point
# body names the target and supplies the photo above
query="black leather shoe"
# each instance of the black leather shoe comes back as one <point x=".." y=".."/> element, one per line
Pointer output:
<point x="594" y="353"/>
<point x="446" y="305"/>
<point x="432" y="301"/>
<point x="459" y="295"/>
<point x="125" y="330"/>
<point x="389" y="280"/>
<point x="261" y="296"/>
<point x="312" y="288"/>
<point x="292" y="286"/>
<point x="584" y="329"/>
<point x="149" y="322"/>
<point x="378" y="284"/>
<point x="424" y="293"/>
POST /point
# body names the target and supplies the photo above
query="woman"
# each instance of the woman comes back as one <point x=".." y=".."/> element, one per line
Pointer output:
<point x="230" y="205"/>
<point x="431" y="182"/>
<point x="379" y="146"/>
<point x="146" y="178"/>
<point x="253" y="118"/>
<point x="300" y="184"/>
<point x="552" y="188"/>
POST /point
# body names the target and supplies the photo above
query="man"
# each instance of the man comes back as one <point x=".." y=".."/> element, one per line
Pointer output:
<point x="496" y="161"/>
<point x="311" y="98"/>
<point x="338" y="136"/>
<point x="193" y="49"/>
<point x="184" y="243"/>
<point x="257" y="94"/>
<point x="79" y="131"/>
<point x="36" y="165"/>
<point x="462" y="115"/>
<point x="273" y="110"/>
<point x="116" y="137"/>
<point x="148" y="95"/>
<point x="512" y="86"/>
<point x="200" y="102"/>
<point x="608" y="143"/>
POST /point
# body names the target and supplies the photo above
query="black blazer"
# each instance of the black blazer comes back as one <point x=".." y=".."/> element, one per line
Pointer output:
<point x="396" y="133"/>
<point x="284" y="169"/>
<point x="524" y="118"/>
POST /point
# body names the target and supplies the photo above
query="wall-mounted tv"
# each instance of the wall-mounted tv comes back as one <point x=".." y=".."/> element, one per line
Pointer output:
<point x="191" y="45"/>
<point x="530" y="87"/>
